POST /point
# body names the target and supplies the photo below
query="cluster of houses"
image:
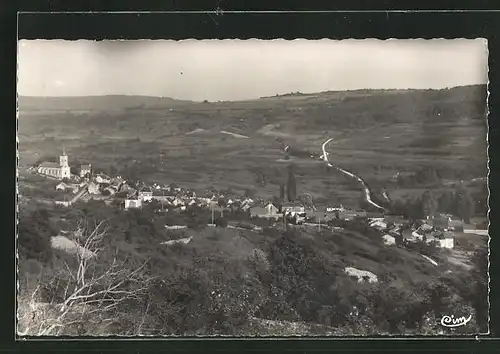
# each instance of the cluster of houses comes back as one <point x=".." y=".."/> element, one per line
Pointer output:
<point x="88" y="185"/>
<point x="297" y="213"/>
<point x="179" y="198"/>
<point x="99" y="186"/>
<point x="438" y="230"/>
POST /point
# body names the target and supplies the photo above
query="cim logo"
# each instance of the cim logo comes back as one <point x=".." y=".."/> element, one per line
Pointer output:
<point x="452" y="321"/>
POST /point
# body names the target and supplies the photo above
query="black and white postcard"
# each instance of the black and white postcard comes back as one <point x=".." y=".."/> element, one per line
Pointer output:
<point x="252" y="188"/>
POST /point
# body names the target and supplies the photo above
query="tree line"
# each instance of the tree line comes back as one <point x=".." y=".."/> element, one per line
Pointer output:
<point x="460" y="203"/>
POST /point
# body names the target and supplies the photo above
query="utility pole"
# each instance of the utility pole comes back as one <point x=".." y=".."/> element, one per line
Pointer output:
<point x="163" y="193"/>
<point x="213" y="210"/>
<point x="319" y="223"/>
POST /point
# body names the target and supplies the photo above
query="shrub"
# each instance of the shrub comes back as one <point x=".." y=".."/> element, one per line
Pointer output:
<point x="221" y="222"/>
<point x="34" y="234"/>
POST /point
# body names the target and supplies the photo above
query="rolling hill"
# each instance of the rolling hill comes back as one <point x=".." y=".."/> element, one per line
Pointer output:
<point x="376" y="134"/>
<point x="95" y="103"/>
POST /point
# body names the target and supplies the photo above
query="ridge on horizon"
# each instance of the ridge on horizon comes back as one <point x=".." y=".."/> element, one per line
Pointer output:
<point x="248" y="99"/>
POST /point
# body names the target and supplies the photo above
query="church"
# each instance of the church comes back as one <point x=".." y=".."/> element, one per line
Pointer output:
<point x="52" y="169"/>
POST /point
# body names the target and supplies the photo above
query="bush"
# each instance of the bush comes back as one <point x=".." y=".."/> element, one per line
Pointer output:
<point x="34" y="234"/>
<point x="221" y="222"/>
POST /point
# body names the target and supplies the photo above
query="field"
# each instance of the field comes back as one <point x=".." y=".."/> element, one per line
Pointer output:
<point x="376" y="134"/>
<point x="269" y="282"/>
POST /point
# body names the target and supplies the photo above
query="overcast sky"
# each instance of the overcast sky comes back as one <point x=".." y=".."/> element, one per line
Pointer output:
<point x="237" y="70"/>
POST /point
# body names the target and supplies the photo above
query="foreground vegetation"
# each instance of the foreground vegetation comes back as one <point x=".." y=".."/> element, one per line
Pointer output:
<point x="231" y="282"/>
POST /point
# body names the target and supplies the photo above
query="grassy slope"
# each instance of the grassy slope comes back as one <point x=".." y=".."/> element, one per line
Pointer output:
<point x="376" y="133"/>
<point x="396" y="268"/>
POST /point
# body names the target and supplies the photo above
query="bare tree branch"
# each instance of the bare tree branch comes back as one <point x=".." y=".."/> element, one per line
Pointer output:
<point x="89" y="291"/>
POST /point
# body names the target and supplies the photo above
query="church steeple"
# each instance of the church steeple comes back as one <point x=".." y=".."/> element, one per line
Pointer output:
<point x="63" y="159"/>
<point x="65" y="171"/>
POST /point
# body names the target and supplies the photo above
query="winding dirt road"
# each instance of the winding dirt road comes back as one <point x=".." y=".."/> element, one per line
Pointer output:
<point x="366" y="190"/>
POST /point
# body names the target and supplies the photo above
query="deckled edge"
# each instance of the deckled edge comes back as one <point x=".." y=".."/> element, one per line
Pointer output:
<point x="16" y="227"/>
<point x="488" y="177"/>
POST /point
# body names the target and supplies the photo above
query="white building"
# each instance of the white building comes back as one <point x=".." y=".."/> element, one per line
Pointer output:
<point x="146" y="194"/>
<point x="61" y="186"/>
<point x="100" y="178"/>
<point x="52" y="169"/>
<point x="448" y="241"/>
<point x="389" y="240"/>
<point x="133" y="203"/>
<point x="178" y="202"/>
<point x="271" y="209"/>
<point x="93" y="188"/>
<point x="293" y="208"/>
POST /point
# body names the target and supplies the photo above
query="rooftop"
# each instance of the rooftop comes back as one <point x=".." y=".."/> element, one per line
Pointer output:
<point x="146" y="189"/>
<point x="292" y="204"/>
<point x="49" y="164"/>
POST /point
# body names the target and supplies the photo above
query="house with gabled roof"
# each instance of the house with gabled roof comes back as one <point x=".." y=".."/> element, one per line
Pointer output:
<point x="85" y="170"/>
<point x="296" y="208"/>
<point x="145" y="194"/>
<point x="272" y="209"/>
<point x="102" y="178"/>
<point x="447" y="240"/>
<point x="111" y="190"/>
<point x="93" y="188"/>
<point x="61" y="187"/>
<point x="246" y="207"/>
<point x="178" y="202"/>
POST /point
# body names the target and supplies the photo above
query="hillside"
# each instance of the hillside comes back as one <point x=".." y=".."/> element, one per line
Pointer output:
<point x="235" y="282"/>
<point x="164" y="140"/>
<point x="95" y="103"/>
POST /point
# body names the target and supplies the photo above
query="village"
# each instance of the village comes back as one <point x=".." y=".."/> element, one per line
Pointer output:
<point x="438" y="230"/>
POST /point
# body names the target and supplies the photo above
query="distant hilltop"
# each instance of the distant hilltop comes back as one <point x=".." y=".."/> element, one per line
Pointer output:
<point x="371" y="91"/>
<point x="108" y="102"/>
<point x="136" y="102"/>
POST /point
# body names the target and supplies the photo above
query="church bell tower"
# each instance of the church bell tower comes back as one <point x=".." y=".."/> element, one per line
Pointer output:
<point x="63" y="162"/>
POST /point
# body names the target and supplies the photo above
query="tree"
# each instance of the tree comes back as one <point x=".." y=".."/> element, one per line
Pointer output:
<point x="112" y="170"/>
<point x="429" y="203"/>
<point x="249" y="193"/>
<point x="464" y="203"/>
<point x="220" y="222"/>
<point x="446" y="203"/>
<point x="85" y="295"/>
<point x="481" y="200"/>
<point x="34" y="235"/>
<point x="221" y="202"/>
<point x="291" y="185"/>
